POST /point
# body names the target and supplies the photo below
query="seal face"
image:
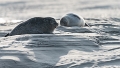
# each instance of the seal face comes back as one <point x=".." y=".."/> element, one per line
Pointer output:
<point x="71" y="19"/>
<point x="36" y="25"/>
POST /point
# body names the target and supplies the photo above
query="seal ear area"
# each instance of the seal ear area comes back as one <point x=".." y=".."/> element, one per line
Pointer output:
<point x="6" y="35"/>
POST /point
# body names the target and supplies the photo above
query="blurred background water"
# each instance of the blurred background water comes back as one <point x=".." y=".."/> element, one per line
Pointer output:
<point x="69" y="47"/>
<point x="24" y="9"/>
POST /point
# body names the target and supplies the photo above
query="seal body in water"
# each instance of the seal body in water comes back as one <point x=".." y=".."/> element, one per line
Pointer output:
<point x="36" y="25"/>
<point x="71" y="19"/>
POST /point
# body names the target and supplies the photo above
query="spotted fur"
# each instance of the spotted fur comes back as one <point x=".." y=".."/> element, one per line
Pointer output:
<point x="36" y="25"/>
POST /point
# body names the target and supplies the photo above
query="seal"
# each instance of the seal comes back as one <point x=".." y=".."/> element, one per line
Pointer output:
<point x="71" y="19"/>
<point x="36" y="25"/>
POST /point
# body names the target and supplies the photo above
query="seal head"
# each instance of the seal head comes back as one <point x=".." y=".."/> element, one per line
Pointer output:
<point x="71" y="19"/>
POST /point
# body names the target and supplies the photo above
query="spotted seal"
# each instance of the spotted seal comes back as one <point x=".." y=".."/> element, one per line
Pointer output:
<point x="71" y="19"/>
<point x="36" y="25"/>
